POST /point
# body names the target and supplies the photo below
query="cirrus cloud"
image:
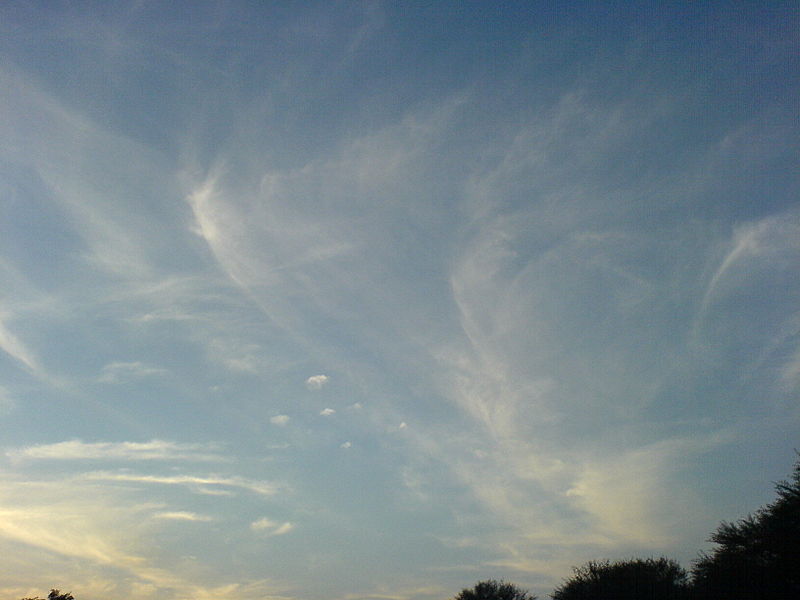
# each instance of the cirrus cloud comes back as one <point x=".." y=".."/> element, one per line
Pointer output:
<point x="128" y="451"/>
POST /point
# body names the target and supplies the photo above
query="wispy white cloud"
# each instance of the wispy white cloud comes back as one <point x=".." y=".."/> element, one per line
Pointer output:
<point x="114" y="237"/>
<point x="119" y="372"/>
<point x="210" y="484"/>
<point x="759" y="255"/>
<point x="746" y="241"/>
<point x="12" y="346"/>
<point x="182" y="516"/>
<point x="89" y="534"/>
<point x="279" y="420"/>
<point x="791" y="370"/>
<point x="6" y="401"/>
<point x="327" y="412"/>
<point x="633" y="496"/>
<point x="346" y="445"/>
<point x="315" y="382"/>
<point x="70" y="522"/>
<point x="769" y="243"/>
<point x="128" y="451"/>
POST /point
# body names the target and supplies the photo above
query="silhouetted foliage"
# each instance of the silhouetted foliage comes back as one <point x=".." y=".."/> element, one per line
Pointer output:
<point x="758" y="557"/>
<point x="54" y="595"/>
<point x="637" y="579"/>
<point x="494" y="590"/>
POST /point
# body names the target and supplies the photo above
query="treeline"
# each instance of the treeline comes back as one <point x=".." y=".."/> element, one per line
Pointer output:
<point x="755" y="558"/>
<point x="54" y="595"/>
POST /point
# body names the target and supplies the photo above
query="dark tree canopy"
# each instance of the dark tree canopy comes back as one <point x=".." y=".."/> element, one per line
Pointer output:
<point x="758" y="557"/>
<point x="494" y="590"/>
<point x="54" y="595"/>
<point x="637" y="579"/>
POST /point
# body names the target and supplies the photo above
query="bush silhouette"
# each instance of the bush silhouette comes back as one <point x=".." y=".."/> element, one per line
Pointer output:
<point x="54" y="595"/>
<point x="636" y="579"/>
<point x="758" y="557"/>
<point x="494" y="590"/>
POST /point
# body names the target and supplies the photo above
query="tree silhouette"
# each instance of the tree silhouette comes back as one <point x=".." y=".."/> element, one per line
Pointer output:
<point x="54" y="595"/>
<point x="636" y="579"/>
<point x="492" y="589"/>
<point x="758" y="557"/>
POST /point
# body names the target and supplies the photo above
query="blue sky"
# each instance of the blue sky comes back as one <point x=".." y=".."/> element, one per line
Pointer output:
<point x="365" y="300"/>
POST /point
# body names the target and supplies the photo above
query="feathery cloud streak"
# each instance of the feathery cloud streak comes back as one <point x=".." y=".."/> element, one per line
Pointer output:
<point x="152" y="450"/>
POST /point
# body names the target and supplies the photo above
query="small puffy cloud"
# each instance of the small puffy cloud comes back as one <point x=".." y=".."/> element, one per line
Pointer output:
<point x="345" y="445"/>
<point x="402" y="425"/>
<point x="279" y="420"/>
<point x="271" y="528"/>
<point x="263" y="523"/>
<point x="356" y="406"/>
<point x="315" y="382"/>
<point x="327" y="412"/>
<point x="182" y="516"/>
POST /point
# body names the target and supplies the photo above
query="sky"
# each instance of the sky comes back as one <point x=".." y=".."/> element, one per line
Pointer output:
<point x="375" y="300"/>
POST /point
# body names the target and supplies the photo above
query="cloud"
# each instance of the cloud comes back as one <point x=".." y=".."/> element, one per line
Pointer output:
<point x="182" y="516"/>
<point x="771" y="242"/>
<point x="315" y="382"/>
<point x="6" y="402"/>
<point x="212" y="484"/>
<point x="759" y="255"/>
<point x="11" y="345"/>
<point x="152" y="450"/>
<point x="279" y="420"/>
<point x="115" y="229"/>
<point x="271" y="528"/>
<point x="118" y="372"/>
<point x="346" y="445"/>
<point x="512" y="362"/>
<point x="326" y="412"/>
<point x="636" y="497"/>
<point x="790" y="373"/>
<point x="87" y="530"/>
<point x="87" y="523"/>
